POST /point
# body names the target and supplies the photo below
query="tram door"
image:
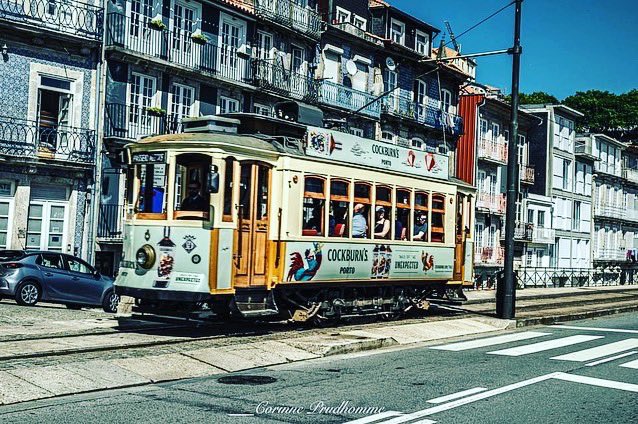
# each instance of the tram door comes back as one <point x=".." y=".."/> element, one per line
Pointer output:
<point x="459" y="244"/>
<point x="251" y="238"/>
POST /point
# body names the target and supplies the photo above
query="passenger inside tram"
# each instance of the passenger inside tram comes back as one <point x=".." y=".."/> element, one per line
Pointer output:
<point x="359" y="223"/>
<point x="421" y="227"/>
<point x="382" y="224"/>
<point x="192" y="198"/>
<point x="338" y="220"/>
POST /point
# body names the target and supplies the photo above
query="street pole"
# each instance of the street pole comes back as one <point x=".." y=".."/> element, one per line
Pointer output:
<point x="506" y="288"/>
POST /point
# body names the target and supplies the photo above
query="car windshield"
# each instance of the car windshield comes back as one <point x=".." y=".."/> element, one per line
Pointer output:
<point x="11" y="255"/>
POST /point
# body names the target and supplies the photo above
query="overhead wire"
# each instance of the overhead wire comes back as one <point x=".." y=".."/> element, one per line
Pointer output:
<point x="482" y="21"/>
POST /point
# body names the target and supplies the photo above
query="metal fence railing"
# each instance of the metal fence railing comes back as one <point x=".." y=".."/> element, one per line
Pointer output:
<point x="278" y="79"/>
<point x="291" y="15"/>
<point x="72" y="17"/>
<point x="110" y="225"/>
<point x="45" y="140"/>
<point x="563" y="277"/>
<point x="402" y="104"/>
<point x="134" y="121"/>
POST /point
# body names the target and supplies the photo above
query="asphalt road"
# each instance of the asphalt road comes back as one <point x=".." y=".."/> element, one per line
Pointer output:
<point x="483" y="383"/>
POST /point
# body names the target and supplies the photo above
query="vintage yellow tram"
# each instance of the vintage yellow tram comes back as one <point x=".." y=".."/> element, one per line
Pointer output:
<point x="312" y="224"/>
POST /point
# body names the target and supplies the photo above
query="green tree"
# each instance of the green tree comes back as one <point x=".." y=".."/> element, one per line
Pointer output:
<point x="535" y="98"/>
<point x="602" y="109"/>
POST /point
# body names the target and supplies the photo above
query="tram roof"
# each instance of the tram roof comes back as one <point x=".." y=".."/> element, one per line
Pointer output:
<point x="264" y="143"/>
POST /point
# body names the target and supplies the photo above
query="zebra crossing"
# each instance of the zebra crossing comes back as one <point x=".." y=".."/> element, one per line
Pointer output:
<point x="547" y="341"/>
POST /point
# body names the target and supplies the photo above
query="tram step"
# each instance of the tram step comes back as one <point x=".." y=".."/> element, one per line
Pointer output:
<point x="255" y="304"/>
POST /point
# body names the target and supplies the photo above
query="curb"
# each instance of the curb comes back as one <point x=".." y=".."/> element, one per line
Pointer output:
<point x="553" y="319"/>
<point x="591" y="291"/>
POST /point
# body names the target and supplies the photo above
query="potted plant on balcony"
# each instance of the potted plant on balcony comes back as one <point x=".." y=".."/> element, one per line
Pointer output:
<point x="199" y="38"/>
<point x="157" y="24"/>
<point x="155" y="111"/>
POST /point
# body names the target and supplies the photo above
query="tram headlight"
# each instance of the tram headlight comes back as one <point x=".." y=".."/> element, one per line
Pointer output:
<point x="145" y="256"/>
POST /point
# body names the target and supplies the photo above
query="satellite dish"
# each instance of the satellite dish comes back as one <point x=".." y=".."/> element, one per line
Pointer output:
<point x="351" y="67"/>
<point x="390" y="64"/>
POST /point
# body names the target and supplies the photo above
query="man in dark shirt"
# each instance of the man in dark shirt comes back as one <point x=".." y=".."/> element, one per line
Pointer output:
<point x="421" y="228"/>
<point x="194" y="201"/>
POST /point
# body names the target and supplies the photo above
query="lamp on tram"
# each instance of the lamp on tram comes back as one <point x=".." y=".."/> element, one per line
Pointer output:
<point x="299" y="112"/>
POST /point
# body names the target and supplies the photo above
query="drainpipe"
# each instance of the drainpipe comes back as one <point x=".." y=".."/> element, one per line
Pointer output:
<point x="99" y="131"/>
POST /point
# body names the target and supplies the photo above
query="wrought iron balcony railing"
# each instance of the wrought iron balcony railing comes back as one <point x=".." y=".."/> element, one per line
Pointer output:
<point x="630" y="174"/>
<point x="544" y="235"/>
<point x="291" y="15"/>
<point x="278" y="79"/>
<point x="348" y="98"/>
<point x="357" y="32"/>
<point x="41" y="139"/>
<point x="69" y="17"/>
<point x="527" y="174"/>
<point x="609" y="211"/>
<point x="492" y="150"/>
<point x="402" y="105"/>
<point x="491" y="201"/>
<point x="110" y="225"/>
<point x="178" y="47"/>
<point x="574" y="277"/>
<point x="133" y="122"/>
<point x="489" y="255"/>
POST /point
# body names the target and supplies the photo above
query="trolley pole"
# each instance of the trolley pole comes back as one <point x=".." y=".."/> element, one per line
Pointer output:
<point x="506" y="287"/>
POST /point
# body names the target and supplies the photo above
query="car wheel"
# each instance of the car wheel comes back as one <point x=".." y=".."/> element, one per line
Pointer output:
<point x="110" y="302"/>
<point x="28" y="293"/>
<point x="74" y="306"/>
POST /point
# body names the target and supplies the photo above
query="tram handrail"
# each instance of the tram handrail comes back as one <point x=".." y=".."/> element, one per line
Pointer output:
<point x="240" y="242"/>
<point x="278" y="249"/>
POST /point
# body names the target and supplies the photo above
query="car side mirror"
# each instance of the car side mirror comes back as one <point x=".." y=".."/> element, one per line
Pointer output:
<point x="213" y="180"/>
<point x="96" y="273"/>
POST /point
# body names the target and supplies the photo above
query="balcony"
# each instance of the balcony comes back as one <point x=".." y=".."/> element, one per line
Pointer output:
<point x="358" y="32"/>
<point x="489" y="256"/>
<point x="493" y="151"/>
<point x="347" y="98"/>
<point x="492" y="202"/>
<point x="522" y="232"/>
<point x="610" y="254"/>
<point x="584" y="150"/>
<point x="21" y="138"/>
<point x="133" y="122"/>
<point x="609" y="211"/>
<point x="70" y="18"/>
<point x="543" y="235"/>
<point x="630" y="174"/>
<point x="282" y="81"/>
<point x="290" y="15"/>
<point x="402" y="105"/>
<point x="527" y="174"/>
<point x="178" y="48"/>
<point x="110" y="224"/>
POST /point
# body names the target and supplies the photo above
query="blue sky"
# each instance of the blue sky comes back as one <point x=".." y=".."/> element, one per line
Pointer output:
<point x="568" y="45"/>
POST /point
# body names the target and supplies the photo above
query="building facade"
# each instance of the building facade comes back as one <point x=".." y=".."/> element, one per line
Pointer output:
<point x="487" y="118"/>
<point x="49" y="80"/>
<point x="564" y="173"/>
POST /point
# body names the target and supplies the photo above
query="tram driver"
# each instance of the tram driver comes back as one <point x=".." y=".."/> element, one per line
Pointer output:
<point x="194" y="201"/>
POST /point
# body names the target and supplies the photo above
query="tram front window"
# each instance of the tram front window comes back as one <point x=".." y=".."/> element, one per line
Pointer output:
<point x="314" y="201"/>
<point x="152" y="195"/>
<point x="192" y="199"/>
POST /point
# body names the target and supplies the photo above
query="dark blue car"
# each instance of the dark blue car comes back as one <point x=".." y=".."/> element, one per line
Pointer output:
<point x="32" y="276"/>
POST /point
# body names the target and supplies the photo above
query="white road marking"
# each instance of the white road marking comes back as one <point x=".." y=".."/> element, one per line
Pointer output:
<point x="470" y="399"/>
<point x="632" y="364"/>
<point x="613" y="358"/>
<point x="457" y="395"/>
<point x="609" y="330"/>
<point x="490" y="341"/>
<point x="547" y="345"/>
<point x="425" y="421"/>
<point x="241" y="415"/>
<point x="599" y="351"/>
<point x="376" y="417"/>
<point x="611" y="384"/>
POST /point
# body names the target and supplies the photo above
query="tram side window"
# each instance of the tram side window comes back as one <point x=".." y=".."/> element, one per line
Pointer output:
<point x="361" y="211"/>
<point x="402" y="222"/>
<point x="152" y="195"/>
<point x="383" y="213"/>
<point x="339" y="208"/>
<point x="420" y="216"/>
<point x="438" y="218"/>
<point x="192" y="199"/>
<point x="228" y="189"/>
<point x="314" y="201"/>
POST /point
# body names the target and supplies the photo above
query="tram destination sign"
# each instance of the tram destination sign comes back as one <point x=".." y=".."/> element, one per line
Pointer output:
<point x="349" y="148"/>
<point x="148" y="157"/>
